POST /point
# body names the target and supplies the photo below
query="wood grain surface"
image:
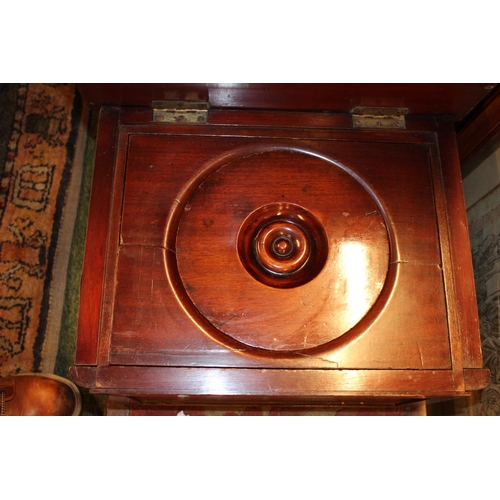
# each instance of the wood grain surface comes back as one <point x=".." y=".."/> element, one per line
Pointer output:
<point x="265" y="259"/>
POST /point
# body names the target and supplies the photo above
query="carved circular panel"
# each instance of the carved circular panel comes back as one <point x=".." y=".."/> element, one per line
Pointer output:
<point x="282" y="250"/>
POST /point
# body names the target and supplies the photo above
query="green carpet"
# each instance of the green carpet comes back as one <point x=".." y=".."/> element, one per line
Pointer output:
<point x="91" y="405"/>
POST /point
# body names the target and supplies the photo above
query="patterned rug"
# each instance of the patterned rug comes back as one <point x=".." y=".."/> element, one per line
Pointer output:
<point x="43" y="140"/>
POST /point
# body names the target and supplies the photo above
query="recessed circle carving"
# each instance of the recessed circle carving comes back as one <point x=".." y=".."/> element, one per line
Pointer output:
<point x="282" y="245"/>
<point x="281" y="250"/>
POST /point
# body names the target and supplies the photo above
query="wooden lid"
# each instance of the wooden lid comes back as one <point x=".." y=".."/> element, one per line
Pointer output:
<point x="455" y="99"/>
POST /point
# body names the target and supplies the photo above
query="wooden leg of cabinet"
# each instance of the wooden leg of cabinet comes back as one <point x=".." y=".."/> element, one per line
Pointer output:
<point x="118" y="406"/>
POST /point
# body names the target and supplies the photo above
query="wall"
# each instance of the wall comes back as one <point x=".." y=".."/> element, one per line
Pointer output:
<point x="482" y="198"/>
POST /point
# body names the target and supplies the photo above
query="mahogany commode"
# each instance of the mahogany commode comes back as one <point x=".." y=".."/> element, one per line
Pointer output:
<point x="277" y="257"/>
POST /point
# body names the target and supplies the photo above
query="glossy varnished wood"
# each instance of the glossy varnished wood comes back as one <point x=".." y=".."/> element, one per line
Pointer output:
<point x="194" y="384"/>
<point x="460" y="251"/>
<point x="97" y="237"/>
<point x="161" y="168"/>
<point x="478" y="135"/>
<point x="179" y="310"/>
<point x="455" y="100"/>
<point x="282" y="303"/>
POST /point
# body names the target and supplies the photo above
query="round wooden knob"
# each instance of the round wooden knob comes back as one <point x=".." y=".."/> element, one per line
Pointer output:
<point x="282" y="248"/>
<point x="282" y="245"/>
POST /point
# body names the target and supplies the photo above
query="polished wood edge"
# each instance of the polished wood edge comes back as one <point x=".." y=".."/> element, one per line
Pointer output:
<point x="112" y="251"/>
<point x="117" y="406"/>
<point x="407" y="406"/>
<point x="301" y="135"/>
<point x="268" y="382"/>
<point x="328" y="401"/>
<point x="455" y="99"/>
<point x="97" y="226"/>
<point x="307" y="120"/>
<point x="479" y="133"/>
<point x="461" y="254"/>
<point x="446" y="262"/>
<point x="209" y="386"/>
<point x="84" y="376"/>
<point x="476" y="379"/>
<point x="235" y="121"/>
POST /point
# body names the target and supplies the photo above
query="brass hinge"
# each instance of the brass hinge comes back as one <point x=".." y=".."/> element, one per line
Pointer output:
<point x="180" y="111"/>
<point x="392" y="118"/>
